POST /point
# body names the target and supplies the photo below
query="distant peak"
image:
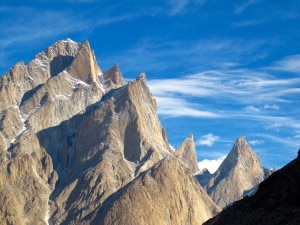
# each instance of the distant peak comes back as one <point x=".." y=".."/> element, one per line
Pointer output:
<point x="241" y="150"/>
<point x="191" y="136"/>
<point x="187" y="153"/>
<point x="240" y="144"/>
<point x="141" y="76"/>
<point x="112" y="78"/>
<point x="241" y="139"/>
<point x="87" y="44"/>
<point x="69" y="40"/>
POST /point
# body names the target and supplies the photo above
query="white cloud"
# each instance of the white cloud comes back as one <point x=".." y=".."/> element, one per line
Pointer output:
<point x="290" y="142"/>
<point x="268" y="106"/>
<point x="208" y="140"/>
<point x="252" y="108"/>
<point x="212" y="165"/>
<point x="290" y="64"/>
<point x="175" y="107"/>
<point x="248" y="23"/>
<point x="274" y="126"/>
<point x="237" y="86"/>
<point x="256" y="142"/>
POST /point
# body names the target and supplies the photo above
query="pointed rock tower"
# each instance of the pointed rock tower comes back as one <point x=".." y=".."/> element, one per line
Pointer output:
<point x="187" y="153"/>
<point x="239" y="172"/>
<point x="276" y="202"/>
<point x="112" y="78"/>
<point x="80" y="146"/>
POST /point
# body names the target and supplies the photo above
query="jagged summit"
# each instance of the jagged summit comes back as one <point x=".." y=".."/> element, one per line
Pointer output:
<point x="187" y="153"/>
<point x="241" y="152"/>
<point x="240" y="171"/>
<point x="177" y="183"/>
<point x="276" y="202"/>
<point x="74" y="140"/>
<point x="84" y="65"/>
<point x="112" y="78"/>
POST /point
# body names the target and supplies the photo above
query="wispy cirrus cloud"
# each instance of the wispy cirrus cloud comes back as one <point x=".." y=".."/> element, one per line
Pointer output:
<point x="30" y="27"/>
<point x="242" y="7"/>
<point x="157" y="55"/>
<point x="179" y="6"/>
<point x="290" y="64"/>
<point x="230" y="85"/>
<point x="256" y="142"/>
<point x="38" y="24"/>
<point x="175" y="107"/>
<point x="291" y="142"/>
<point x="248" y="23"/>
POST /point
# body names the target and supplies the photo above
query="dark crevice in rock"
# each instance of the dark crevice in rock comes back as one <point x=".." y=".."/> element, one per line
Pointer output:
<point x="59" y="64"/>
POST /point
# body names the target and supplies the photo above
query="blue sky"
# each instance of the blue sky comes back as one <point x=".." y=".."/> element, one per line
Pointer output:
<point x="218" y="69"/>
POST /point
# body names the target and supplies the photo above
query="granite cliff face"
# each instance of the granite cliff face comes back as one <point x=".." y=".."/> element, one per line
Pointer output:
<point x="187" y="153"/>
<point x="239" y="173"/>
<point x="74" y="140"/>
<point x="276" y="202"/>
<point x="161" y="198"/>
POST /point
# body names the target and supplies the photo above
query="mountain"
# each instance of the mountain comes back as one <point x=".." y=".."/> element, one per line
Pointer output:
<point x="203" y="177"/>
<point x="187" y="153"/>
<point x="276" y="202"/>
<point x="161" y="198"/>
<point x="79" y="146"/>
<point x="239" y="173"/>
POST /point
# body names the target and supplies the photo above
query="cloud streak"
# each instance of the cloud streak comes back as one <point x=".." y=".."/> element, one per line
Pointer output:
<point x="241" y="8"/>
<point x="289" y="64"/>
<point x="232" y="86"/>
<point x="175" y="107"/>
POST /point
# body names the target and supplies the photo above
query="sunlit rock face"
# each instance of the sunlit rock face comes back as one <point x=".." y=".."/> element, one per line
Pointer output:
<point x="239" y="173"/>
<point x="187" y="153"/>
<point x="74" y="140"/>
<point x="276" y="202"/>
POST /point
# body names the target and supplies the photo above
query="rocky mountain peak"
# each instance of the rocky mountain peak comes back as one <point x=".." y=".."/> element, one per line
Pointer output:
<point x="156" y="189"/>
<point x="84" y="66"/>
<point x="112" y="78"/>
<point x="241" y="152"/>
<point x="276" y="202"/>
<point x="240" y="171"/>
<point x="66" y="47"/>
<point x="77" y="147"/>
<point x="187" y="153"/>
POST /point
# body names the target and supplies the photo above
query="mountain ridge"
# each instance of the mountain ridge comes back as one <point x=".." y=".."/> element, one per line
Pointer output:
<point x="72" y="137"/>
<point x="276" y="202"/>
<point x="240" y="171"/>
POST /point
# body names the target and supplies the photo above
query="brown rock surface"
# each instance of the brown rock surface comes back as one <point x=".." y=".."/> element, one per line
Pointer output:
<point x="72" y="137"/>
<point x="165" y="194"/>
<point x="27" y="179"/>
<point x="276" y="202"/>
<point x="112" y="78"/>
<point x="114" y="142"/>
<point x="187" y="153"/>
<point x="239" y="172"/>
